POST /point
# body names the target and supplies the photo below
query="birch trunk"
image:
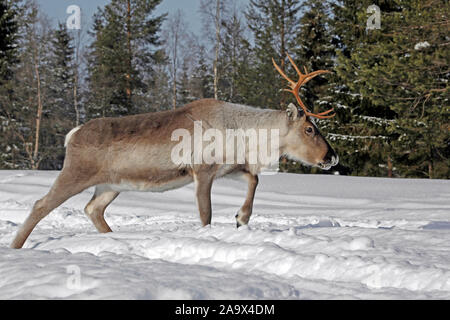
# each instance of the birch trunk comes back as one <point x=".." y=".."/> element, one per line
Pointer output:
<point x="75" y="81"/>
<point x="217" y="50"/>
<point x="174" y="70"/>
<point x="34" y="161"/>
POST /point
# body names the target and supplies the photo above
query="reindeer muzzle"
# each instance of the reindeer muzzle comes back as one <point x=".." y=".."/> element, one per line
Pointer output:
<point x="330" y="160"/>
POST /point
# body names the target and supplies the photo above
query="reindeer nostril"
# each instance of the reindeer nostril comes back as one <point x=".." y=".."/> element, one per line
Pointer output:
<point x="330" y="160"/>
<point x="329" y="157"/>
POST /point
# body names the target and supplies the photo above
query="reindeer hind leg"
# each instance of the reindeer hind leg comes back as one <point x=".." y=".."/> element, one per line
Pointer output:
<point x="95" y="209"/>
<point x="66" y="186"/>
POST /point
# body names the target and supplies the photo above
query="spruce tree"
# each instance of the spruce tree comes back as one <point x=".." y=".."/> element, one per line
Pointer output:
<point x="233" y="53"/>
<point x="405" y="66"/>
<point x="9" y="33"/>
<point x="184" y="85"/>
<point x="202" y="77"/>
<point x="59" y="116"/>
<point x="62" y="73"/>
<point x="315" y="51"/>
<point x="8" y="39"/>
<point x="360" y="129"/>
<point x="399" y="76"/>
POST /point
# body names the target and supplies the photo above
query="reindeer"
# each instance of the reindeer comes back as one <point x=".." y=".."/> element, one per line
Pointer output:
<point x="134" y="153"/>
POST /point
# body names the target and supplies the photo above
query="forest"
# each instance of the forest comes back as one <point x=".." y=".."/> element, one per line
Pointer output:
<point x="388" y="85"/>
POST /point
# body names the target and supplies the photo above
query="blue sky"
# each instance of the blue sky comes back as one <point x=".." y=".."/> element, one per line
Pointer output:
<point x="56" y="10"/>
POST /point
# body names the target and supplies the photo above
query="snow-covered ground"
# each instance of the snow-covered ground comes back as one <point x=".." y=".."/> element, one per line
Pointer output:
<point x="310" y="237"/>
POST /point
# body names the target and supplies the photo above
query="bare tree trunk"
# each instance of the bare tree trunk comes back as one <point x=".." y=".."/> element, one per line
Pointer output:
<point x="283" y="56"/>
<point x="233" y="72"/>
<point x="75" y="99"/>
<point x="235" y="41"/>
<point x="389" y="167"/>
<point x="430" y="170"/>
<point x="75" y="81"/>
<point x="430" y="165"/>
<point x="283" y="46"/>
<point x="217" y="49"/>
<point x="174" y="70"/>
<point x="129" y="62"/>
<point x="35" y="162"/>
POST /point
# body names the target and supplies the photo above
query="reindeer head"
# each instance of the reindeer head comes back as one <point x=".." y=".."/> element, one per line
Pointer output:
<point x="304" y="142"/>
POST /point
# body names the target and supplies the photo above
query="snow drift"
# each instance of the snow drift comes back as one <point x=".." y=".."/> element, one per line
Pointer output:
<point x="310" y="237"/>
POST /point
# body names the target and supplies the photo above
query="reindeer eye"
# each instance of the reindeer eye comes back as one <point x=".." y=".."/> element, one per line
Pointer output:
<point x="309" y="130"/>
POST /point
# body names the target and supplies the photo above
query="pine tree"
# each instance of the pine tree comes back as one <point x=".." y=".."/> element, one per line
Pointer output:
<point x="274" y="26"/>
<point x="126" y="44"/>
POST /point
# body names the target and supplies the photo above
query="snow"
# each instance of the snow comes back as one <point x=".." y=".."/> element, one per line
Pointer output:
<point x="310" y="237"/>
<point x="377" y="121"/>
<point x="421" y="45"/>
<point x="336" y="136"/>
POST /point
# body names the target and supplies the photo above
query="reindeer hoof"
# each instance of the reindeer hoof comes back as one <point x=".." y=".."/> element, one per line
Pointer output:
<point x="238" y="224"/>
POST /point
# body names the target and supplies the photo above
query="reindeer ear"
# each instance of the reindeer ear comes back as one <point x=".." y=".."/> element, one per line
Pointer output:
<point x="292" y="112"/>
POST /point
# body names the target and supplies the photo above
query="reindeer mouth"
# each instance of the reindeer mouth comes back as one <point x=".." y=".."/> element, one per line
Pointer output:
<point x="329" y="164"/>
<point x="324" y="166"/>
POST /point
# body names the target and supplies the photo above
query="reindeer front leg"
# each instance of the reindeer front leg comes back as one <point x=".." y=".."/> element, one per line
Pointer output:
<point x="243" y="216"/>
<point x="203" y="183"/>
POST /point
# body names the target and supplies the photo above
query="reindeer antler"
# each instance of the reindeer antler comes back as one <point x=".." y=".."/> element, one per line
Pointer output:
<point x="295" y="87"/>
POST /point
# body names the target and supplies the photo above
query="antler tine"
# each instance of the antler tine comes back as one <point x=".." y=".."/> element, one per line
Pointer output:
<point x="282" y="73"/>
<point x="303" y="79"/>
<point x="313" y="75"/>
<point x="301" y="75"/>
<point x="324" y="115"/>
<point x="326" y="112"/>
